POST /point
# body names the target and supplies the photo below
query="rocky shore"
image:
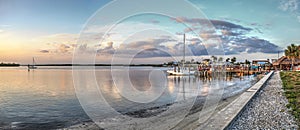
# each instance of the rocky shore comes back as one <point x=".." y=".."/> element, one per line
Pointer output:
<point x="267" y="110"/>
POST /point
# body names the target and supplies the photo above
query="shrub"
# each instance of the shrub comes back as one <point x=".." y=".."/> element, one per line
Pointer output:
<point x="291" y="86"/>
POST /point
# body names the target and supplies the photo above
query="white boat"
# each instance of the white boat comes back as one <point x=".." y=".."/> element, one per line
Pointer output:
<point x="33" y="65"/>
<point x="182" y="70"/>
<point x="181" y="73"/>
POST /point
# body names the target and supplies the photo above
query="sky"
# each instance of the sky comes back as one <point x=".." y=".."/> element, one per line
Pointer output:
<point x="55" y="31"/>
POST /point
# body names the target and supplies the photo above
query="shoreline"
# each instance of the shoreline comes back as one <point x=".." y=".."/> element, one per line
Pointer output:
<point x="169" y="116"/>
<point x="190" y="121"/>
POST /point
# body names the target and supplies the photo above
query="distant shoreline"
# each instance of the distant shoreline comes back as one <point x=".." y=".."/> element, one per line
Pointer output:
<point x="153" y="65"/>
<point x="9" y="65"/>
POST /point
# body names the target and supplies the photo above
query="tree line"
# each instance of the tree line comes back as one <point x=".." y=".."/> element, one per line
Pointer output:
<point x="9" y="64"/>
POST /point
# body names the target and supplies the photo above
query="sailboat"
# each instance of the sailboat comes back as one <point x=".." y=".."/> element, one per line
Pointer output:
<point x="181" y="70"/>
<point x="33" y="65"/>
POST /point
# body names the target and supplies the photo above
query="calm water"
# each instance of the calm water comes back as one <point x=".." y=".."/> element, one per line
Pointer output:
<point x="45" y="98"/>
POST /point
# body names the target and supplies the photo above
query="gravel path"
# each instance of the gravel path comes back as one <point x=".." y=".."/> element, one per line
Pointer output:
<point x="267" y="110"/>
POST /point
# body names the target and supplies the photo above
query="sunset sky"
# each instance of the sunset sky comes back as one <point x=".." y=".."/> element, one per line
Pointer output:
<point x="49" y="30"/>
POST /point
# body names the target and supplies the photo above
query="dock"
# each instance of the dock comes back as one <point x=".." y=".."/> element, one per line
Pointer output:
<point x="237" y="72"/>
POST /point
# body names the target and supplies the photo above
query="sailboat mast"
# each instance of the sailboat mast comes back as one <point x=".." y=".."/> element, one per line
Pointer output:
<point x="183" y="49"/>
<point x="33" y="63"/>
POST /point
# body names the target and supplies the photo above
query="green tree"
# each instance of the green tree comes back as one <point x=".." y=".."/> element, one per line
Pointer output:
<point x="220" y="59"/>
<point x="292" y="52"/>
<point x="233" y="60"/>
<point x="214" y="58"/>
<point x="228" y="59"/>
<point x="247" y="62"/>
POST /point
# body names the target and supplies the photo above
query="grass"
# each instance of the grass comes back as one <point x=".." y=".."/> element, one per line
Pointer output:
<point x="291" y="86"/>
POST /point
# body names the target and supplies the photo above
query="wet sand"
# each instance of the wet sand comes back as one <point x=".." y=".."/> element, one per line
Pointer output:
<point x="168" y="120"/>
<point x="176" y="115"/>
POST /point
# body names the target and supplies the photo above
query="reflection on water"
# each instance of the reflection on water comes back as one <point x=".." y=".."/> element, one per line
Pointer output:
<point x="45" y="98"/>
<point x="38" y="99"/>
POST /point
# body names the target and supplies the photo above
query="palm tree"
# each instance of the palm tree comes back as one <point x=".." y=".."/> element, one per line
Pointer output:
<point x="233" y="60"/>
<point x="292" y="52"/>
<point x="214" y="58"/>
<point x="247" y="62"/>
<point x="228" y="59"/>
<point x="299" y="50"/>
<point x="220" y="59"/>
<point x="192" y="61"/>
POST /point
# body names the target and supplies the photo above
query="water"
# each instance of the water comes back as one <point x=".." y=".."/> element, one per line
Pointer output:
<point x="45" y="98"/>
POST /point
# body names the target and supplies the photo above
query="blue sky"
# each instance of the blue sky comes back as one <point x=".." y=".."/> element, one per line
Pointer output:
<point x="53" y="16"/>
<point x="50" y="29"/>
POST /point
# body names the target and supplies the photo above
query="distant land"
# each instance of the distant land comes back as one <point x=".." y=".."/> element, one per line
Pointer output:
<point x="9" y="65"/>
<point x="153" y="65"/>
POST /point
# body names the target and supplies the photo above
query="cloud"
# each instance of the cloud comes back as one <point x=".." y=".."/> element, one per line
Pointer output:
<point x="152" y="52"/>
<point x="207" y="36"/>
<point x="149" y="43"/>
<point x="151" y="47"/>
<point x="198" y="49"/>
<point x="194" y="40"/>
<point x="234" y="40"/>
<point x="249" y="45"/>
<point x="63" y="48"/>
<point x="64" y="44"/>
<point x="289" y="5"/>
<point x="292" y="6"/>
<point x="252" y="24"/>
<point x="232" y="20"/>
<point x="44" y="51"/>
<point x="219" y="24"/>
<point x="204" y="28"/>
<point x="233" y="36"/>
<point x="59" y="48"/>
<point x="155" y="21"/>
<point x="109" y="49"/>
<point x="228" y="26"/>
<point x="156" y="48"/>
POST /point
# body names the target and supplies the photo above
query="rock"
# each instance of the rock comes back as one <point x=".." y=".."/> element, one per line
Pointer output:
<point x="267" y="110"/>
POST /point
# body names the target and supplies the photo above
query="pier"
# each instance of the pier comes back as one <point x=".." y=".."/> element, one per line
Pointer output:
<point x="237" y="72"/>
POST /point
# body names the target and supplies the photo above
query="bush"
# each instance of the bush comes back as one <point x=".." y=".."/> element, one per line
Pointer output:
<point x="290" y="83"/>
<point x="291" y="96"/>
<point x="289" y="86"/>
<point x="292" y="100"/>
<point x="288" y="105"/>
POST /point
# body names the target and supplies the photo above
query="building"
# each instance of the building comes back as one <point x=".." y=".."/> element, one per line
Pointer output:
<point x="261" y="65"/>
<point x="260" y="62"/>
<point x="284" y="63"/>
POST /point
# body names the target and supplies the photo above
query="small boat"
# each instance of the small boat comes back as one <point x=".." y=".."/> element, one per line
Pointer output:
<point x="182" y="70"/>
<point x="33" y="65"/>
<point x="181" y="73"/>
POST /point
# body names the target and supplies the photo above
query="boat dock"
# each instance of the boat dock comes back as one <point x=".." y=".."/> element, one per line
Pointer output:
<point x="237" y="72"/>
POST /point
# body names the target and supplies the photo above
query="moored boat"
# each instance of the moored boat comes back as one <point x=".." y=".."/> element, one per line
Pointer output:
<point x="181" y="70"/>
